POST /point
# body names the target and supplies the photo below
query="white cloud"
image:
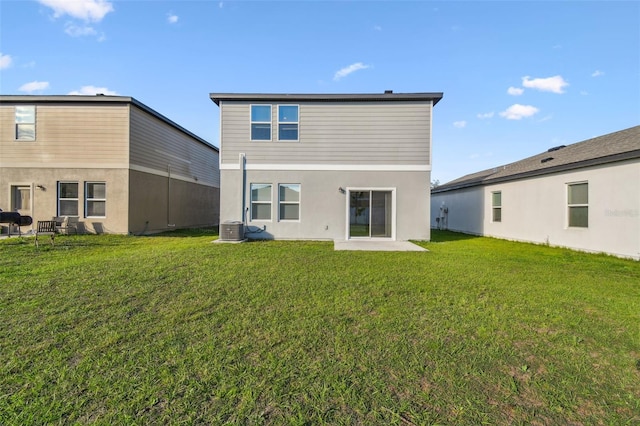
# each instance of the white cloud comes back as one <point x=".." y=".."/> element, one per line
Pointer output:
<point x="93" y="90"/>
<point x="517" y="112"/>
<point x="584" y="93"/>
<point x="597" y="73"/>
<point x="34" y="86"/>
<point x="172" y="19"/>
<point x="221" y="4"/>
<point x="554" y="84"/>
<point x="87" y="10"/>
<point x="348" y="70"/>
<point x="515" y="91"/>
<point x="485" y="115"/>
<point x="5" y="61"/>
<point x="78" y="31"/>
<point x="460" y="124"/>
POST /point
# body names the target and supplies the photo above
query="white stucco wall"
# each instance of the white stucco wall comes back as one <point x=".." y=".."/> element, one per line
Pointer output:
<point x="535" y="209"/>
<point x="323" y="208"/>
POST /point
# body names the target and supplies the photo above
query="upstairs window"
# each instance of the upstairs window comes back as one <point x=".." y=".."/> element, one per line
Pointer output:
<point x="496" y="205"/>
<point x="288" y="122"/>
<point x="26" y="123"/>
<point x="578" y="204"/>
<point x="67" y="198"/>
<point x="95" y="194"/>
<point x="260" y="122"/>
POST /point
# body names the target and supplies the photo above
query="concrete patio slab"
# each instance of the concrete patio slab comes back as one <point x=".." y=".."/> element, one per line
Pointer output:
<point x="376" y="245"/>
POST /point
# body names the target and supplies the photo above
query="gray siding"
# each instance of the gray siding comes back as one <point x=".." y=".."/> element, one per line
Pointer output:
<point x="156" y="146"/>
<point x="374" y="133"/>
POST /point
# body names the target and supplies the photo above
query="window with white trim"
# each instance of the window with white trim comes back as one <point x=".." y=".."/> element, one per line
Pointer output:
<point x="25" y="123"/>
<point x="95" y="199"/>
<point x="288" y="122"/>
<point x="496" y="206"/>
<point x="578" y="204"/>
<point x="261" y="201"/>
<point x="289" y="198"/>
<point x="67" y="198"/>
<point x="260" y="122"/>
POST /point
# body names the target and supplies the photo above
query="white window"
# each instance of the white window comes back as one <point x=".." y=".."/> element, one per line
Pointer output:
<point x="260" y="122"/>
<point x="261" y="201"/>
<point x="496" y="205"/>
<point x="578" y="204"/>
<point x="288" y="122"/>
<point x="95" y="199"/>
<point x="289" y="197"/>
<point x="67" y="198"/>
<point x="26" y="123"/>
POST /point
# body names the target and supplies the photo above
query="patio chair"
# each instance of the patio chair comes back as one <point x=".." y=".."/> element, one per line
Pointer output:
<point x="46" y="227"/>
<point x="66" y="224"/>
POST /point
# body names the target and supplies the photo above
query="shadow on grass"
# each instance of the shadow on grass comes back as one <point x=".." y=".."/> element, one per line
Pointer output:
<point x="441" y="236"/>
<point x="211" y="231"/>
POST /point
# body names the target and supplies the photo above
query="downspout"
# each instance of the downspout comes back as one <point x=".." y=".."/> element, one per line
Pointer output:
<point x="243" y="170"/>
<point x="169" y="224"/>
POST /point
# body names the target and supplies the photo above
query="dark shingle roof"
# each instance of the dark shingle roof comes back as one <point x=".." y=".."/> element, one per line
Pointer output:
<point x="617" y="146"/>
<point x="387" y="96"/>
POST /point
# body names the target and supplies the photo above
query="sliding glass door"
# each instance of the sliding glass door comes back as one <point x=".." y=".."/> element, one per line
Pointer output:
<point x="370" y="214"/>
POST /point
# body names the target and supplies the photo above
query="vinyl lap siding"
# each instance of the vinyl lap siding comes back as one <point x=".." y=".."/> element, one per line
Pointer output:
<point x="68" y="136"/>
<point x="158" y="146"/>
<point x="390" y="133"/>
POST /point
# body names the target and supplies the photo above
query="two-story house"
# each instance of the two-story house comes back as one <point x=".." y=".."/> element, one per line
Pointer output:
<point x="109" y="162"/>
<point x="327" y="166"/>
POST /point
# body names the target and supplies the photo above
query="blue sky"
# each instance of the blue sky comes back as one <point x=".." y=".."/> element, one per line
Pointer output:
<point x="518" y="77"/>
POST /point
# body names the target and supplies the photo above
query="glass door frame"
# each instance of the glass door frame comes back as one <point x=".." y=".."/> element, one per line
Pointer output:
<point x="348" y="191"/>
<point x="14" y="186"/>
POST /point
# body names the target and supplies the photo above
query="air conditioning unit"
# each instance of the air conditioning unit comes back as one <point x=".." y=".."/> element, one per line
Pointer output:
<point x="232" y="231"/>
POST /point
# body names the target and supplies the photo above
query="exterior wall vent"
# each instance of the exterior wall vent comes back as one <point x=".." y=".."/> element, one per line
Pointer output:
<point x="232" y="231"/>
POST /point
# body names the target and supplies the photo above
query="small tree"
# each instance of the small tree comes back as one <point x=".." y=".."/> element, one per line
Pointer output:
<point x="435" y="183"/>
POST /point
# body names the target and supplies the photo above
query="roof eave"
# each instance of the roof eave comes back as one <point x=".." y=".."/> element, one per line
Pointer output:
<point x="302" y="97"/>
<point x="629" y="155"/>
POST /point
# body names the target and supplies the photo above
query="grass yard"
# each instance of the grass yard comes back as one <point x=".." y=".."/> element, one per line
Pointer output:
<point x="174" y="329"/>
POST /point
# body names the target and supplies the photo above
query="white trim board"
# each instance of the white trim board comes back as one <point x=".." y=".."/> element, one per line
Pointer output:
<point x="333" y="167"/>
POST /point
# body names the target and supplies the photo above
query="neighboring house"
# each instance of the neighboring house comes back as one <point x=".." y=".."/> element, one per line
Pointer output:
<point x="584" y="196"/>
<point x="109" y="162"/>
<point x="327" y="166"/>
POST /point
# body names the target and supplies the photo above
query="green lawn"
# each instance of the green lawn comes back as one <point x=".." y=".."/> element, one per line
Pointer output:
<point x="174" y="329"/>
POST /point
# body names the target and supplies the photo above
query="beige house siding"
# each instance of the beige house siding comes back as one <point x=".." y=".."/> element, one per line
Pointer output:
<point x="372" y="133"/>
<point x="172" y="204"/>
<point x="68" y="136"/>
<point x="156" y="147"/>
<point x="146" y="161"/>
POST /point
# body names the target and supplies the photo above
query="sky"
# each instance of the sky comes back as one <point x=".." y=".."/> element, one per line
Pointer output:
<point x="518" y="77"/>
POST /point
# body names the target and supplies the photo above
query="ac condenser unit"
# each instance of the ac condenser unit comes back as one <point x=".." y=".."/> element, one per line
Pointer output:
<point x="232" y="231"/>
